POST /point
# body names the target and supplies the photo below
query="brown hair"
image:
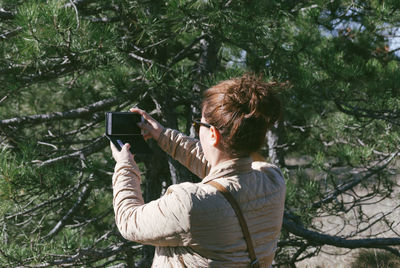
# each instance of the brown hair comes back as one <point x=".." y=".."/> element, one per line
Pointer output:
<point x="242" y="109"/>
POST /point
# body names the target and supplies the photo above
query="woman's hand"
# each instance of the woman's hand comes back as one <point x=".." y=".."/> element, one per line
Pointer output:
<point x="123" y="155"/>
<point x="151" y="128"/>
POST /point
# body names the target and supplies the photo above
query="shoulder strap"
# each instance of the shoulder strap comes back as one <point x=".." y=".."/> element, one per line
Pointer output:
<point x="254" y="261"/>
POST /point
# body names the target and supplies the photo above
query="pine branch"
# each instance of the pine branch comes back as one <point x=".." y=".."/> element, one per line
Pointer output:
<point x="78" y="23"/>
<point x="80" y="3"/>
<point x="49" y="202"/>
<point x="94" y="147"/>
<point x="71" y="114"/>
<point x="55" y="68"/>
<point x="79" y="130"/>
<point x="315" y="238"/>
<point x="83" y="196"/>
<point x="184" y="52"/>
<point x="151" y="62"/>
<point x="85" y="256"/>
<point x="386" y="115"/>
<point x="103" y="19"/>
<point x="6" y="15"/>
<point x="89" y="221"/>
<point x="295" y="256"/>
<point x="350" y="185"/>
<point x="10" y="33"/>
<point x="99" y="118"/>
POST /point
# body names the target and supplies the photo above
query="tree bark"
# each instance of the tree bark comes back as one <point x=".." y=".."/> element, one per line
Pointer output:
<point x="275" y="153"/>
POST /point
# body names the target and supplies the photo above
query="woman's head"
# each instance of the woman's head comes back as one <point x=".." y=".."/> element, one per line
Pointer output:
<point x="242" y="109"/>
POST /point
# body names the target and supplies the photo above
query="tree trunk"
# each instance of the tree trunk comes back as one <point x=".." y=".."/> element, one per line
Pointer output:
<point x="275" y="153"/>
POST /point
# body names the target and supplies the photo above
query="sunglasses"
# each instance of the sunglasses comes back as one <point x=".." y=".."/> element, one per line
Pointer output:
<point x="197" y="124"/>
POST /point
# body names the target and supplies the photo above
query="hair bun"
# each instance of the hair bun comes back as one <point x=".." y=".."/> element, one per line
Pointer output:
<point x="242" y="109"/>
<point x="255" y="98"/>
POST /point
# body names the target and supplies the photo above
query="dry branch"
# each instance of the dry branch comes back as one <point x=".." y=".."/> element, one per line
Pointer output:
<point x="184" y="52"/>
<point x="88" y="255"/>
<point x="319" y="239"/>
<point x="95" y="146"/>
<point x="391" y="116"/>
<point x="71" y="114"/>
<point x="84" y="194"/>
<point x="349" y="185"/>
<point x="48" y="202"/>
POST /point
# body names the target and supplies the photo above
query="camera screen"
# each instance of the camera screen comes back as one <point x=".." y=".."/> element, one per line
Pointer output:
<point x="124" y="123"/>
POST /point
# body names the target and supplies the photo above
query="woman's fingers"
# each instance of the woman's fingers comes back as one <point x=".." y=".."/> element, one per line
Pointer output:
<point x="145" y="115"/>
<point x="126" y="148"/>
<point x="152" y="128"/>
<point x="123" y="155"/>
<point x="141" y="112"/>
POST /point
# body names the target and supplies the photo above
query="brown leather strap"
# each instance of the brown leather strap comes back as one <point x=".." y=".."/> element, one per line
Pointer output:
<point x="254" y="261"/>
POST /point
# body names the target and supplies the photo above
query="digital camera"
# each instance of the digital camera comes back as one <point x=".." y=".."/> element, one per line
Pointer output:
<point x="121" y="128"/>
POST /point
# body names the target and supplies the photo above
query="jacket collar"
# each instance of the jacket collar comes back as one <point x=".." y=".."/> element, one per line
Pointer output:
<point x="229" y="167"/>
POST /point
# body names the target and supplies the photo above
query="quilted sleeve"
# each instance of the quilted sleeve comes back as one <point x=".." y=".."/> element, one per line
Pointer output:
<point x="186" y="150"/>
<point x="163" y="222"/>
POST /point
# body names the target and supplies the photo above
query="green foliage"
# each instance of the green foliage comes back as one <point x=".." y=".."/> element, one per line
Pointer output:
<point x="20" y="175"/>
<point x="301" y="192"/>
<point x="59" y="57"/>
<point x="49" y="29"/>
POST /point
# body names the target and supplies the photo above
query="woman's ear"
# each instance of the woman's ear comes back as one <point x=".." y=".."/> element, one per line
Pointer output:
<point x="215" y="136"/>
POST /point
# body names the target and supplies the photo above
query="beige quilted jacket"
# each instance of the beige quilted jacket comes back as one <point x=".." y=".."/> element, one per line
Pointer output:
<point x="193" y="225"/>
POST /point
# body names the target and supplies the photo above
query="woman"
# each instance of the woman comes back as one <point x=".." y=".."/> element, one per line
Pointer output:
<point x="193" y="225"/>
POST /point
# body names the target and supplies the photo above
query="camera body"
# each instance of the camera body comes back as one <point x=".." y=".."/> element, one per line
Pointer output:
<point x="121" y="128"/>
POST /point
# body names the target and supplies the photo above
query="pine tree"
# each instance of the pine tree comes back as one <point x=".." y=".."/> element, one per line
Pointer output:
<point x="64" y="63"/>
